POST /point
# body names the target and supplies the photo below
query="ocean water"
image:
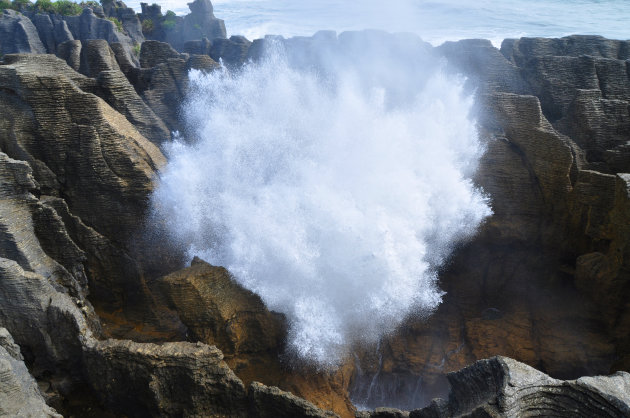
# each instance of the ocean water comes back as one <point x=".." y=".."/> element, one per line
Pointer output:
<point x="433" y="20"/>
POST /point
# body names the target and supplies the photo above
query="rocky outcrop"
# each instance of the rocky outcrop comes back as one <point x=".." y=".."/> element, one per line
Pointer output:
<point x="502" y="387"/>
<point x="201" y="23"/>
<point x="89" y="26"/>
<point x="43" y="287"/>
<point x="485" y="65"/>
<point x="19" y="393"/>
<point x="163" y="81"/>
<point x="153" y="53"/>
<point x="172" y="379"/>
<point x="18" y="34"/>
<point x="61" y="127"/>
<point x="541" y="281"/>
<point x="217" y="310"/>
<point x="127" y="17"/>
<point x="268" y="402"/>
<point x="233" y="51"/>
<point x="175" y="30"/>
<point x="52" y="30"/>
<point x="181" y="379"/>
<point x="95" y="59"/>
<point x="88" y="160"/>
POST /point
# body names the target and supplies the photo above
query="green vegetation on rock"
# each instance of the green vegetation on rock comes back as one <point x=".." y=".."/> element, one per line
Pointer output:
<point x="147" y="26"/>
<point x="62" y="7"/>
<point x="44" y="6"/>
<point x="169" y="22"/>
<point x="67" y="8"/>
<point x="119" y="25"/>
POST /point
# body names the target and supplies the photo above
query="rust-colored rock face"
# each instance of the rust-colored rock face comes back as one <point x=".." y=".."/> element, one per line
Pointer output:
<point x="217" y="310"/>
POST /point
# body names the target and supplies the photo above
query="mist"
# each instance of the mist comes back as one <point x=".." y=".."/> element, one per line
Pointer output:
<point x="333" y="178"/>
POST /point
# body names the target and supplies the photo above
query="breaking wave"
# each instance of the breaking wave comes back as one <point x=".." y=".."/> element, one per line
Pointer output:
<point x="320" y="190"/>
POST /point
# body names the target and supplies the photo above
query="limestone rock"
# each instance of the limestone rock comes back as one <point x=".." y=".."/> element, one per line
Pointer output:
<point x="43" y="284"/>
<point x="232" y="51"/>
<point x="19" y="393"/>
<point x="18" y="34"/>
<point x="383" y="413"/>
<point x="127" y="17"/>
<point x="201" y="22"/>
<point x="97" y="56"/>
<point x="521" y="50"/>
<point x="153" y="53"/>
<point x="96" y="157"/>
<point x="172" y="379"/>
<point x="202" y="63"/>
<point x="268" y="402"/>
<point x="82" y="149"/>
<point x="70" y="52"/>
<point x="217" y="310"/>
<point x="116" y="90"/>
<point x="163" y="88"/>
<point x="488" y="68"/>
<point x="199" y="47"/>
<point x="89" y="26"/>
<point x="502" y="387"/>
<point x="542" y="281"/>
<point x="52" y="30"/>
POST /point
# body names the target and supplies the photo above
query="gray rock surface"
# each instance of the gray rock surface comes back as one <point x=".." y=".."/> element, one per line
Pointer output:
<point x="97" y="56"/>
<point x="107" y="140"/>
<point x="127" y="17"/>
<point x="19" y="393"/>
<point x="503" y="387"/>
<point x="116" y="90"/>
<point x="70" y="52"/>
<point x="18" y="34"/>
<point x="172" y="379"/>
<point x="271" y="402"/>
<point x="82" y="149"/>
<point x="233" y="51"/>
<point x="153" y="53"/>
<point x="487" y="67"/>
<point x="201" y="23"/>
<point x="88" y="26"/>
<point x="52" y="30"/>
<point x="42" y="286"/>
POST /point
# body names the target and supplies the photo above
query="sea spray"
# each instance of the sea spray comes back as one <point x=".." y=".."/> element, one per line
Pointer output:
<point x="318" y="189"/>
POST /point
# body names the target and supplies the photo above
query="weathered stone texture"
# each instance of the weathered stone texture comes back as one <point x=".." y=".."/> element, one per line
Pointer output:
<point x="19" y="393"/>
<point x="502" y="387"/>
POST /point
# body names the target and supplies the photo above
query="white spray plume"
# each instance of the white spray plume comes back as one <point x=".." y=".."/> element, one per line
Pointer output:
<point x="321" y="195"/>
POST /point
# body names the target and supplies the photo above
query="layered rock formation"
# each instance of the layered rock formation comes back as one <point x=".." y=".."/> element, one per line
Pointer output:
<point x="175" y="30"/>
<point x="19" y="393"/>
<point x="545" y="281"/>
<point x="502" y="387"/>
<point x="534" y="282"/>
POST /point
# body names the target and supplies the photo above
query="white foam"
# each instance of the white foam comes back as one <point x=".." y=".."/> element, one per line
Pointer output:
<point x="315" y="192"/>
